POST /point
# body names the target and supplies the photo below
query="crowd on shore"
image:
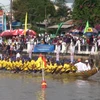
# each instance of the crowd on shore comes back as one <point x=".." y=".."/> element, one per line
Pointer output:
<point x="18" y="43"/>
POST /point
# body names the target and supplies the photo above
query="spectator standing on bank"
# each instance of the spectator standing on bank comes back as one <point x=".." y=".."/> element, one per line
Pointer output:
<point x="57" y="50"/>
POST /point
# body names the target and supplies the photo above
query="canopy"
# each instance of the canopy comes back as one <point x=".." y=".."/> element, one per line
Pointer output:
<point x="63" y="26"/>
<point x="89" y="34"/>
<point x="31" y="32"/>
<point x="6" y="33"/>
<point x="22" y="31"/>
<point x="74" y="31"/>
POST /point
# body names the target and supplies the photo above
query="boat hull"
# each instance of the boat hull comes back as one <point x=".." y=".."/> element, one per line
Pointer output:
<point x="84" y="74"/>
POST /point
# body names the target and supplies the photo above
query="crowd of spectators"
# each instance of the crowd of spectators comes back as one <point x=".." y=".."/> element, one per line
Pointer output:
<point x="13" y="45"/>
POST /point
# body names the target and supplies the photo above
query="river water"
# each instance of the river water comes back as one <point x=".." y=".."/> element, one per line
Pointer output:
<point x="28" y="87"/>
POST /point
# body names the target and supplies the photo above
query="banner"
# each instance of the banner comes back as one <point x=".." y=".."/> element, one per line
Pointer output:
<point x="43" y="48"/>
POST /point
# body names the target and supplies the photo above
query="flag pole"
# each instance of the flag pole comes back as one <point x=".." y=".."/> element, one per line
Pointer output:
<point x="44" y="84"/>
<point x="43" y="74"/>
<point x="25" y="24"/>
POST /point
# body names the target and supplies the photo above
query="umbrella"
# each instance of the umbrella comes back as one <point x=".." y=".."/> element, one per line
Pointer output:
<point x="90" y="30"/>
<point x="30" y="32"/>
<point x="21" y="32"/>
<point x="18" y="32"/>
<point x="74" y="31"/>
<point x="6" y="33"/>
<point x="89" y="34"/>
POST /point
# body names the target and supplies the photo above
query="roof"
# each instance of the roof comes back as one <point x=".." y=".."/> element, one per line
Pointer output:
<point x="66" y="24"/>
<point x="63" y="26"/>
<point x="69" y="22"/>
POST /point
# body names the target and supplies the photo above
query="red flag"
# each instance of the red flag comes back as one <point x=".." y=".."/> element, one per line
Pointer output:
<point x="42" y="59"/>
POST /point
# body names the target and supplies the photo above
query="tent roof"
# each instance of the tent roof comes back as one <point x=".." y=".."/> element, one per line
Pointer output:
<point x="63" y="26"/>
<point x="69" y="22"/>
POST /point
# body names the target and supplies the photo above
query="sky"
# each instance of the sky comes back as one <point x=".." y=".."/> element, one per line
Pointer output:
<point x="5" y="3"/>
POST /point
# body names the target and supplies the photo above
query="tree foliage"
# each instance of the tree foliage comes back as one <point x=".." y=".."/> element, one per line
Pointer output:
<point x="84" y="10"/>
<point x="61" y="2"/>
<point x="0" y="8"/>
<point x="62" y="13"/>
<point x="37" y="9"/>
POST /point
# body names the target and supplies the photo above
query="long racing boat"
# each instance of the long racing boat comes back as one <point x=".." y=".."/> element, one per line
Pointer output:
<point x="83" y="74"/>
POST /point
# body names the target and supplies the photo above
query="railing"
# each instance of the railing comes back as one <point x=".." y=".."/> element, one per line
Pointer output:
<point x="81" y="49"/>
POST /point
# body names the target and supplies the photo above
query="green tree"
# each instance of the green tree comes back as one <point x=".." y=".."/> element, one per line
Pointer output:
<point x="37" y="10"/>
<point x="0" y="8"/>
<point x="61" y="2"/>
<point x="62" y="12"/>
<point x="84" y="10"/>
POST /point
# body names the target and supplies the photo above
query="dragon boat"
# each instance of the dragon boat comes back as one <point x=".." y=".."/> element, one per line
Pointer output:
<point x="83" y="74"/>
<point x="78" y="75"/>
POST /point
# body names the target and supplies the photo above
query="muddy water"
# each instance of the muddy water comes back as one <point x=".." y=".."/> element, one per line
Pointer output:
<point x="28" y="87"/>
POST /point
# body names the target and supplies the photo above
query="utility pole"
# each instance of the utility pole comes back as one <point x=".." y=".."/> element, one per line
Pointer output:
<point x="45" y="4"/>
<point x="10" y="14"/>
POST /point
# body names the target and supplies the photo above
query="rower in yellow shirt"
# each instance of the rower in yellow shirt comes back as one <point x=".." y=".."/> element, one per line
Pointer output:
<point x="67" y="67"/>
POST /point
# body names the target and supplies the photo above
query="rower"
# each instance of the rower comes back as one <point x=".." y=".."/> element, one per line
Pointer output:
<point x="80" y="66"/>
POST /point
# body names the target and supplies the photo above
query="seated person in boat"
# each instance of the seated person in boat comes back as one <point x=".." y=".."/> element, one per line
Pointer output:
<point x="81" y="66"/>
